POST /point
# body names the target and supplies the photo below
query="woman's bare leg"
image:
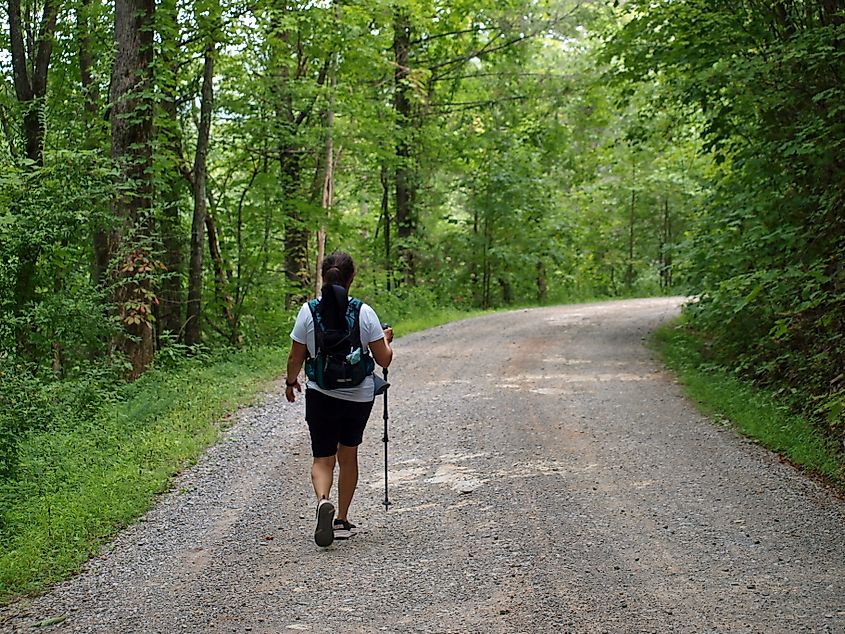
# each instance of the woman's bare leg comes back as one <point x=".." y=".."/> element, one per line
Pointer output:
<point x="322" y="474"/>
<point x="347" y="479"/>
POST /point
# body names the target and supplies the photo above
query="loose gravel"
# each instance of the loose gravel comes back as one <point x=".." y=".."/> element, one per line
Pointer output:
<point x="546" y="475"/>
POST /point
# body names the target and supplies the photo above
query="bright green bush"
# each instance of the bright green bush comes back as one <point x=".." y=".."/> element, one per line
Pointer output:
<point x="101" y="450"/>
<point x="766" y="250"/>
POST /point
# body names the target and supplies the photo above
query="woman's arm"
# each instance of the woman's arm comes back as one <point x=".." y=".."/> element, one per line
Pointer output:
<point x="381" y="350"/>
<point x="296" y="358"/>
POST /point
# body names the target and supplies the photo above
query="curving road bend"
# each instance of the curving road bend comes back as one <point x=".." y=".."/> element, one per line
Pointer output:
<point x="546" y="476"/>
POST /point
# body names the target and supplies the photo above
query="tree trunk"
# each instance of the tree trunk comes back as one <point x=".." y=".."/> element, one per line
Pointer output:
<point x="629" y="269"/>
<point x="171" y="227"/>
<point x="194" y="312"/>
<point x="289" y="64"/>
<point x="832" y="13"/>
<point x="221" y="281"/>
<point x="542" y="288"/>
<point x="30" y="90"/>
<point x="86" y="63"/>
<point x="93" y="135"/>
<point x="665" y="256"/>
<point x="29" y="72"/>
<point x="170" y="178"/>
<point x="405" y="221"/>
<point x="507" y="290"/>
<point x="385" y="214"/>
<point x="486" y="265"/>
<point x="296" y="232"/>
<point x="325" y="203"/>
<point x="327" y="199"/>
<point x="131" y="126"/>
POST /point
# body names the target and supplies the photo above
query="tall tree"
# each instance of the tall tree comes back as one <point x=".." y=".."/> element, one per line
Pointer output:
<point x="404" y="175"/>
<point x="131" y="259"/>
<point x="299" y="67"/>
<point x="94" y="135"/>
<point x="170" y="167"/>
<point x="199" y="182"/>
<point x="30" y="65"/>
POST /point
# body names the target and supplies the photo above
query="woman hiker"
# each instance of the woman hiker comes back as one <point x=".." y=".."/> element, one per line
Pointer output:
<point x="336" y="416"/>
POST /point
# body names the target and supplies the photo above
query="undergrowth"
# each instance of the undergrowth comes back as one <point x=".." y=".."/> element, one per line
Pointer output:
<point x="80" y="480"/>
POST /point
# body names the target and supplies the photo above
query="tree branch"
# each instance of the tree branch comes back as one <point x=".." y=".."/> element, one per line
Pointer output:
<point x="45" y="47"/>
<point x="452" y="106"/>
<point x="321" y="80"/>
<point x="23" y="89"/>
<point x="423" y="40"/>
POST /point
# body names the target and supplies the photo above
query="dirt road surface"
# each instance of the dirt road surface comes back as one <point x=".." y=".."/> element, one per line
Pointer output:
<point x="546" y="475"/>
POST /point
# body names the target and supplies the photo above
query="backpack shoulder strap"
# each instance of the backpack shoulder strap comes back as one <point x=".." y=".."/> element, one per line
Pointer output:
<point x="319" y="326"/>
<point x="353" y="318"/>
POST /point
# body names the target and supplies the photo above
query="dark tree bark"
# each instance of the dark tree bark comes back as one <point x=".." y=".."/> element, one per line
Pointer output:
<point x="296" y="234"/>
<point x="629" y="268"/>
<point x="296" y="231"/>
<point x="31" y="89"/>
<point x="486" y="265"/>
<point x="29" y="72"/>
<point x="131" y="128"/>
<point x="385" y="214"/>
<point x="289" y="64"/>
<point x="542" y="286"/>
<point x="665" y="257"/>
<point x="221" y="282"/>
<point x="194" y="310"/>
<point x="405" y="219"/>
<point x="507" y="290"/>
<point x="86" y="63"/>
<point x="832" y="12"/>
<point x="327" y="185"/>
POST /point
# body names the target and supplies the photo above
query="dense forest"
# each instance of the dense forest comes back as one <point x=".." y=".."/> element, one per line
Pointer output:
<point x="172" y="174"/>
<point x="175" y="172"/>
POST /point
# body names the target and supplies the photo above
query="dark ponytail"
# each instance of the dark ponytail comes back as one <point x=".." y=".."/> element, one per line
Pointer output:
<point x="339" y="269"/>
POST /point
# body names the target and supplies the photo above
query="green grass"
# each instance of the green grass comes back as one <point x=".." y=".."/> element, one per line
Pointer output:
<point x="408" y="325"/>
<point x="756" y="413"/>
<point x="78" y="484"/>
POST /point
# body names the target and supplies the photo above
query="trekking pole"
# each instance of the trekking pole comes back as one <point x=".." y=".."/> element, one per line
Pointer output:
<point x="384" y="440"/>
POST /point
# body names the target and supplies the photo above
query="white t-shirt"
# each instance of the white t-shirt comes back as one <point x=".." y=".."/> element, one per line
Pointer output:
<point x="303" y="332"/>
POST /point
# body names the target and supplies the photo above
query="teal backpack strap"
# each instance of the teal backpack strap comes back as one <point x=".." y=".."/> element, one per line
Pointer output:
<point x="312" y="369"/>
<point x="353" y="318"/>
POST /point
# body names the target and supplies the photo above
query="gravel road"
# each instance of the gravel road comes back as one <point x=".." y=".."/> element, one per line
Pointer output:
<point x="546" y="476"/>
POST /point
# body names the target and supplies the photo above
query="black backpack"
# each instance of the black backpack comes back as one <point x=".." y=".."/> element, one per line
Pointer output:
<point x="339" y="360"/>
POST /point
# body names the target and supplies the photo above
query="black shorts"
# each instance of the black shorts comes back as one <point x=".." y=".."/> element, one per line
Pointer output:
<point x="333" y="421"/>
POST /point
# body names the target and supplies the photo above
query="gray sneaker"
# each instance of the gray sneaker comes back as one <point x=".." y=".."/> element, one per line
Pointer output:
<point x="324" y="533"/>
